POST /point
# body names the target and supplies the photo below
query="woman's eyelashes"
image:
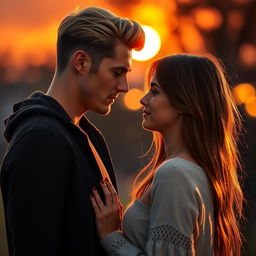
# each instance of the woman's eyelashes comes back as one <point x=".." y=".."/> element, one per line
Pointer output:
<point x="154" y="92"/>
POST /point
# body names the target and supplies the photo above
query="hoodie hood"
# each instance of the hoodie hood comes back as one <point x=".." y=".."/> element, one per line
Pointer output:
<point x="40" y="104"/>
<point x="37" y="103"/>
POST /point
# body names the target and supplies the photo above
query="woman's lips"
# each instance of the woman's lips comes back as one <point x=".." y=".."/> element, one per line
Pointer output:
<point x="145" y="113"/>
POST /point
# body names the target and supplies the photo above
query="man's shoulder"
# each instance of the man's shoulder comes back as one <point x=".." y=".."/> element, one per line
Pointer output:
<point x="40" y="122"/>
<point x="39" y="137"/>
<point x="39" y="129"/>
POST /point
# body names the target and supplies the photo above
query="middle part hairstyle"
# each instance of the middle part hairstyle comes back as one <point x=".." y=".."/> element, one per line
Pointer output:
<point x="197" y="87"/>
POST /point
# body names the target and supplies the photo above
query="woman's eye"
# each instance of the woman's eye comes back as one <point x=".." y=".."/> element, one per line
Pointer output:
<point x="153" y="92"/>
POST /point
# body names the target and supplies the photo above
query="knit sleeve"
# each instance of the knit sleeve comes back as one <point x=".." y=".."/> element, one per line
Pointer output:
<point x="173" y="218"/>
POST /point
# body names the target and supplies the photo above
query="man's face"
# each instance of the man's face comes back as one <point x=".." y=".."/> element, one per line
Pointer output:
<point x="100" y="89"/>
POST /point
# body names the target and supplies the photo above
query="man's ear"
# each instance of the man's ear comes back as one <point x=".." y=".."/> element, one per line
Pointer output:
<point x="81" y="61"/>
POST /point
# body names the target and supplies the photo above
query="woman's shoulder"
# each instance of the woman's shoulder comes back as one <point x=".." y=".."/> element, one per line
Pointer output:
<point x="178" y="165"/>
<point x="181" y="170"/>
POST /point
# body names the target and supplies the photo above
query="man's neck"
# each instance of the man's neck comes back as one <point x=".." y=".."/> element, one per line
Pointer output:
<point x="62" y="89"/>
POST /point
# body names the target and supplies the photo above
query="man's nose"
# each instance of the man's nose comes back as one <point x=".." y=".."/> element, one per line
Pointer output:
<point x="123" y="86"/>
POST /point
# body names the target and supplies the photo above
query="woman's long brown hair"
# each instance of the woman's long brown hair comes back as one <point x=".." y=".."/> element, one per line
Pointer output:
<point x="196" y="85"/>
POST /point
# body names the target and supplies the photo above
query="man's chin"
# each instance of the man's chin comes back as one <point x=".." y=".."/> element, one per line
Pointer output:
<point x="104" y="111"/>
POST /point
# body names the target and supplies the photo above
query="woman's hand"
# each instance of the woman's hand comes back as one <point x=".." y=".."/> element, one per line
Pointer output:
<point x="108" y="216"/>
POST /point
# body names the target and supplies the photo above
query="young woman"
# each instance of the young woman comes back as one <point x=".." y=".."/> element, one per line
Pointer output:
<point x="187" y="200"/>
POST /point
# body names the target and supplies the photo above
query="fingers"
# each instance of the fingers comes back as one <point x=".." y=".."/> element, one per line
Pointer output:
<point x="97" y="199"/>
<point x="95" y="205"/>
<point x="111" y="197"/>
<point x="108" y="196"/>
<point x="107" y="217"/>
<point x="112" y="191"/>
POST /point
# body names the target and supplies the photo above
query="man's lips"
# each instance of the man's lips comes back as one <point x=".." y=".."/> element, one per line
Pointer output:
<point x="113" y="97"/>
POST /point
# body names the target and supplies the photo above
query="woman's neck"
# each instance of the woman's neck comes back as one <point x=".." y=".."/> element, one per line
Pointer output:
<point x="173" y="144"/>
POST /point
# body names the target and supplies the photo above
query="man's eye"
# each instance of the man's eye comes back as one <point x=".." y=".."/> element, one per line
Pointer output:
<point x="153" y="92"/>
<point x="117" y="74"/>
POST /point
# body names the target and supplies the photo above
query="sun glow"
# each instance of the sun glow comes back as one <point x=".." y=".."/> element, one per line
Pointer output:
<point x="151" y="47"/>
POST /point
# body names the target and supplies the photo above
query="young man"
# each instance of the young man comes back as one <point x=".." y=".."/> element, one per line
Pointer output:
<point x="55" y="155"/>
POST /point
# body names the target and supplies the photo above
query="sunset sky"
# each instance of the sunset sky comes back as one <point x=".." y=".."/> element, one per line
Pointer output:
<point x="29" y="27"/>
<point x="29" y="31"/>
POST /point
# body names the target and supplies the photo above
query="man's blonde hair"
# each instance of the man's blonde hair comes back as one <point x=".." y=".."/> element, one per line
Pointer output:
<point x="96" y="31"/>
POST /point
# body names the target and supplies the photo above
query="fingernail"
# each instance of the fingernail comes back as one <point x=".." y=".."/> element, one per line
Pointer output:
<point x="106" y="179"/>
<point x="94" y="188"/>
<point x="102" y="181"/>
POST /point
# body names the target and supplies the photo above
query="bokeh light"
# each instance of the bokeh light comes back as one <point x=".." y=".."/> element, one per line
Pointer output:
<point x="247" y="54"/>
<point x="235" y="19"/>
<point x="132" y="99"/>
<point x="224" y="28"/>
<point x="243" y="93"/>
<point x="190" y="36"/>
<point x="250" y="107"/>
<point x="151" y="47"/>
<point x="207" y="18"/>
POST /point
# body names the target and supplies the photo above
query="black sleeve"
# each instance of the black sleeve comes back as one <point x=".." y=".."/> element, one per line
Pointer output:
<point x="37" y="173"/>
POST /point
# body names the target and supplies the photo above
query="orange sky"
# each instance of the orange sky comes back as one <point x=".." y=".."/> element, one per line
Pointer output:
<point x="32" y="14"/>
<point x="29" y="27"/>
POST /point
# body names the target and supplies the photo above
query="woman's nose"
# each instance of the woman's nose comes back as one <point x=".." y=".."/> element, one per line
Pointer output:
<point x="143" y="100"/>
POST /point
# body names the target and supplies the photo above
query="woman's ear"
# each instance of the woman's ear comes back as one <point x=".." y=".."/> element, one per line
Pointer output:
<point x="81" y="61"/>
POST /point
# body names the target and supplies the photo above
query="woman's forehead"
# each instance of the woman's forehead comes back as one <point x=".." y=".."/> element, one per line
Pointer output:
<point x="153" y="80"/>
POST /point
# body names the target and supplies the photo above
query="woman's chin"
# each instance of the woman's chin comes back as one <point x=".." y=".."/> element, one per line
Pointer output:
<point x="147" y="126"/>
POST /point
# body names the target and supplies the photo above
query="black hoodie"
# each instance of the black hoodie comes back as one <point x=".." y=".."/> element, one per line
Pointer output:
<point x="46" y="177"/>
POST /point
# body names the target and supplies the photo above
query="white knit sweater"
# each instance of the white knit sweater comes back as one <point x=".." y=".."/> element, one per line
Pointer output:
<point x="178" y="222"/>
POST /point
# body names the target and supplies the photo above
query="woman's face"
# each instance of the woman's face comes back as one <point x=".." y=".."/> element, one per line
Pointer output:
<point x="159" y="114"/>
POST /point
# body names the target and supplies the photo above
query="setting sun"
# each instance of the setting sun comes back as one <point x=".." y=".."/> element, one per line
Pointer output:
<point x="152" y="45"/>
